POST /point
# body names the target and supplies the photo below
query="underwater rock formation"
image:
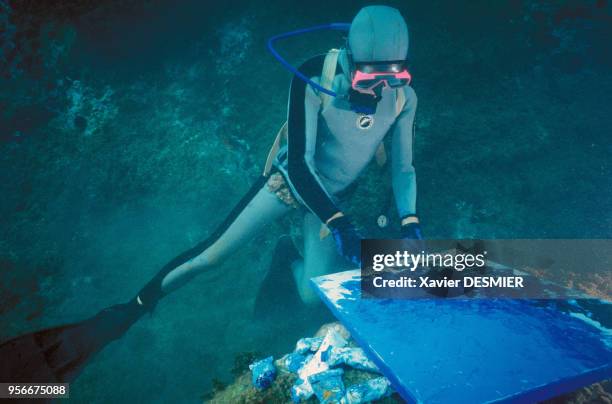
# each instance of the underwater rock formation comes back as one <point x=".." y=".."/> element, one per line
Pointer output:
<point x="88" y="111"/>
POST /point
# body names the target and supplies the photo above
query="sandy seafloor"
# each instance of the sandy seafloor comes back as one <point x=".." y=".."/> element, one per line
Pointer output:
<point x="129" y="129"/>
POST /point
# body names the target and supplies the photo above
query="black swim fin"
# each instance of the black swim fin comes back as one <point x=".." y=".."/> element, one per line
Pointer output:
<point x="58" y="354"/>
<point x="278" y="292"/>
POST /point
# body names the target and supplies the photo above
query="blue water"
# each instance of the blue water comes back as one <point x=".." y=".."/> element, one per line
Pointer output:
<point x="128" y="130"/>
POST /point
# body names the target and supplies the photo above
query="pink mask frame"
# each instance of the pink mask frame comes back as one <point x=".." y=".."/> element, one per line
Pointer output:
<point x="377" y="78"/>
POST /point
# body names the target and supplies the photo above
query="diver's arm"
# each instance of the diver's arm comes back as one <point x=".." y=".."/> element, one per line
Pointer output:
<point x="302" y="136"/>
<point x="404" y="178"/>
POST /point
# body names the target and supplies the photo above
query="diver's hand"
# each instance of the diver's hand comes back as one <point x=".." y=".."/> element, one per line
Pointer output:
<point x="411" y="228"/>
<point x="412" y="231"/>
<point x="347" y="238"/>
<point x="412" y="234"/>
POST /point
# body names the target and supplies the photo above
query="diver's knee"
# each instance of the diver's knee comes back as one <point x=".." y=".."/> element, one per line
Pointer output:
<point x="203" y="261"/>
<point x="308" y="296"/>
<point x="311" y="300"/>
<point x="213" y="255"/>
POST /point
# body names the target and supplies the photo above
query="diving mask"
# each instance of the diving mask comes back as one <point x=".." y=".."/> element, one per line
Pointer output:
<point x="367" y="77"/>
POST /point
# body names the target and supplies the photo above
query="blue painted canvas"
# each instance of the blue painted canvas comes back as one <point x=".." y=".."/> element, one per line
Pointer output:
<point x="476" y="350"/>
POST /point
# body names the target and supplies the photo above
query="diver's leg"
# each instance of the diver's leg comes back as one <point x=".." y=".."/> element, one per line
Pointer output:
<point x="262" y="209"/>
<point x="256" y="208"/>
<point x="320" y="258"/>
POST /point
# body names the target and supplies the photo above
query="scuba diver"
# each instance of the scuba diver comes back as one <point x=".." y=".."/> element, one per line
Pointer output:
<point x="341" y="106"/>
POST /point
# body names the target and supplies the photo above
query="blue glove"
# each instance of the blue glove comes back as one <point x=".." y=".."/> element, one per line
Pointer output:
<point x="348" y="240"/>
<point x="413" y="237"/>
<point x="412" y="231"/>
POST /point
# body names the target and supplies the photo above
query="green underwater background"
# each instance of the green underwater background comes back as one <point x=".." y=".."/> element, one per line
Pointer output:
<point x="129" y="129"/>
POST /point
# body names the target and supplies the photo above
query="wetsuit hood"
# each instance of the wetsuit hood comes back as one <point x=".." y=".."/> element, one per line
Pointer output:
<point x="378" y="33"/>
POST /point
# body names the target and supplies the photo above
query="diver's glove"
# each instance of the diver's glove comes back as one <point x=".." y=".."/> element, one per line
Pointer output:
<point x="411" y="228"/>
<point x="347" y="238"/>
<point x="412" y="234"/>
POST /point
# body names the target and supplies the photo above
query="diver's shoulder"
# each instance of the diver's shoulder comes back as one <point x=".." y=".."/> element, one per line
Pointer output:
<point x="316" y="79"/>
<point x="312" y="91"/>
<point x="339" y="84"/>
